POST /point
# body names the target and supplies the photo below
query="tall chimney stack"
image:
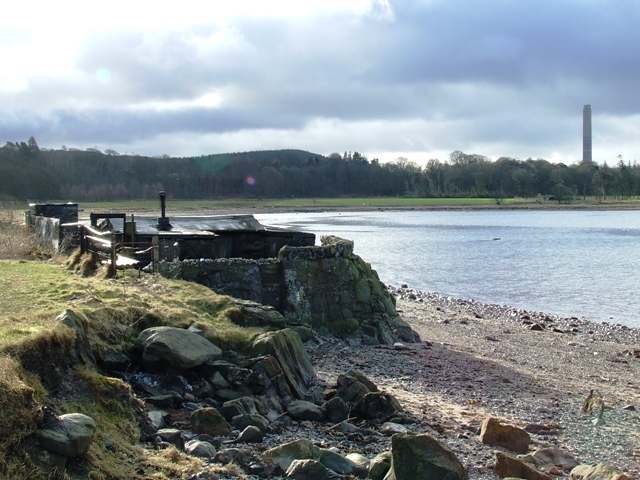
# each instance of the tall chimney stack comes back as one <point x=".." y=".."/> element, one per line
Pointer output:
<point x="587" y="155"/>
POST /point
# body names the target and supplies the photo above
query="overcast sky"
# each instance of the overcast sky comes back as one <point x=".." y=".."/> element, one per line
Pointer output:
<point x="386" y="78"/>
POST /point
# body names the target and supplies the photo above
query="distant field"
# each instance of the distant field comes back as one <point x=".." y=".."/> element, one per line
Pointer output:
<point x="295" y="203"/>
<point x="249" y="205"/>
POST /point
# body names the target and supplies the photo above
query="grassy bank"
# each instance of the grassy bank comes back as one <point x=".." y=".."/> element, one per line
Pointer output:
<point x="38" y="370"/>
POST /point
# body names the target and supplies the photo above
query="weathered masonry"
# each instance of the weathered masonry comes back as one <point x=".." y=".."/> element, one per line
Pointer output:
<point x="326" y="288"/>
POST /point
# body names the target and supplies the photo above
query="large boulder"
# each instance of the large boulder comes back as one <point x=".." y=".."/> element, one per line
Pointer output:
<point x="422" y="457"/>
<point x="209" y="420"/>
<point x="287" y="348"/>
<point x="178" y="346"/>
<point x="284" y="455"/>
<point x="69" y="435"/>
<point x="496" y="434"/>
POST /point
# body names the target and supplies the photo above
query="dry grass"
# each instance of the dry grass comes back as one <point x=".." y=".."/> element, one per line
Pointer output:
<point x="16" y="240"/>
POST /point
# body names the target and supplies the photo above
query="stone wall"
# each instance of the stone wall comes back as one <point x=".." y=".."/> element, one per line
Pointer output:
<point x="327" y="288"/>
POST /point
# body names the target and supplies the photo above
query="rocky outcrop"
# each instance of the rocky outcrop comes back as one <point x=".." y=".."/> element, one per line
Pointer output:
<point x="287" y="349"/>
<point x="335" y="292"/>
<point x="177" y="346"/>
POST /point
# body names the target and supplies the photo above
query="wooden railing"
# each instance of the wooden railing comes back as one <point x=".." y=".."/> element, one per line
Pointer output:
<point x="109" y="245"/>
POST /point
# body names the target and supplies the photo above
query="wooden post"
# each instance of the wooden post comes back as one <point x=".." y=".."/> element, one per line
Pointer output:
<point x="155" y="243"/>
<point x="112" y="269"/>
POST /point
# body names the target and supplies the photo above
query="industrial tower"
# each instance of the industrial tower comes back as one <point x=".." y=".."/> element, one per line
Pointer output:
<point x="586" y="134"/>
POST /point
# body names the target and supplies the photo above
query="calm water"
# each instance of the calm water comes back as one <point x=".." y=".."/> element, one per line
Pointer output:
<point x="569" y="263"/>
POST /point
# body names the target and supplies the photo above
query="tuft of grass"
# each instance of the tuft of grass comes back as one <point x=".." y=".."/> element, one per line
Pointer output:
<point x="16" y="241"/>
<point x="19" y="411"/>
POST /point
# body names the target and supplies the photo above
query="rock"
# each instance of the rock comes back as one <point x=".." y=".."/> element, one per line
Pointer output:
<point x="287" y="348"/>
<point x="508" y="465"/>
<point x="219" y="382"/>
<point x="160" y="400"/>
<point x="422" y="457"/>
<point x="350" y="428"/>
<point x="380" y="466"/>
<point x="251" y="434"/>
<point x="512" y="438"/>
<point x="307" y="470"/>
<point x="341" y="465"/>
<point x="198" y="448"/>
<point x="157" y="418"/>
<point x="178" y="346"/>
<point x="83" y="350"/>
<point x="359" y="460"/>
<point x="254" y="314"/>
<point x="389" y="428"/>
<point x="377" y="406"/>
<point x="597" y="472"/>
<point x="69" y="435"/>
<point x="238" y="406"/>
<point x="351" y="390"/>
<point x="241" y="456"/>
<point x="546" y="458"/>
<point x="240" y="422"/>
<point x="285" y="454"/>
<point x="209" y="420"/>
<point x="117" y="361"/>
<point x="172" y="436"/>
<point x="303" y="410"/>
<point x="336" y="410"/>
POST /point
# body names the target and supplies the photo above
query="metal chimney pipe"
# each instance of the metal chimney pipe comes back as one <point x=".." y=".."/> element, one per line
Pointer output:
<point x="163" y="203"/>
<point x="163" y="222"/>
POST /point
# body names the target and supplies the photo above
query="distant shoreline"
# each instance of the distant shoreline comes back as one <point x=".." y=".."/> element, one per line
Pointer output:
<point x="174" y="208"/>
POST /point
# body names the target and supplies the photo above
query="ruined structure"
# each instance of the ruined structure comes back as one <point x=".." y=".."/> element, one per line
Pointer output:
<point x="326" y="288"/>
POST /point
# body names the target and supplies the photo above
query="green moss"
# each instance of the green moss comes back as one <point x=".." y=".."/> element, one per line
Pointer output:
<point x="348" y="325"/>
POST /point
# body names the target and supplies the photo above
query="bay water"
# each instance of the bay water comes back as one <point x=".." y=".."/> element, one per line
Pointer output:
<point x="568" y="263"/>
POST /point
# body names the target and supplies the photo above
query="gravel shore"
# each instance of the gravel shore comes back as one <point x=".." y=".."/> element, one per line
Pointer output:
<point x="529" y="369"/>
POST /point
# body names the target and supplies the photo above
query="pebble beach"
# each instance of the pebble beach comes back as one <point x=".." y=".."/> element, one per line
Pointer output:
<point x="528" y="369"/>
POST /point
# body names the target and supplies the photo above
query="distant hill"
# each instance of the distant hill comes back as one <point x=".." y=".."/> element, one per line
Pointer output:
<point x="30" y="173"/>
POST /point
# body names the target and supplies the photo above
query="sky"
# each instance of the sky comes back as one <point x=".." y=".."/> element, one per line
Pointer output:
<point x="416" y="79"/>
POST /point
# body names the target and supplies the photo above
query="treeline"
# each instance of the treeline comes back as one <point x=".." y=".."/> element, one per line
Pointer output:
<point x="28" y="172"/>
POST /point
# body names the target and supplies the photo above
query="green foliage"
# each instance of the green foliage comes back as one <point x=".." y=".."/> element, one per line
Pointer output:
<point x="29" y="173"/>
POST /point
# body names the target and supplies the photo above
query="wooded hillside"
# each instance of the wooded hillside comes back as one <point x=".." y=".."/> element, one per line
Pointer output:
<point x="30" y="173"/>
